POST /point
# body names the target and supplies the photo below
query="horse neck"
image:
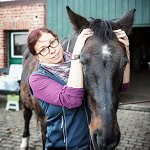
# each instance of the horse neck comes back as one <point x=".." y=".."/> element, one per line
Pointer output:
<point x="69" y="42"/>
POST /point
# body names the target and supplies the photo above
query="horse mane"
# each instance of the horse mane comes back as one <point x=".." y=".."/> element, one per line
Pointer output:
<point x="103" y="29"/>
<point x="26" y="54"/>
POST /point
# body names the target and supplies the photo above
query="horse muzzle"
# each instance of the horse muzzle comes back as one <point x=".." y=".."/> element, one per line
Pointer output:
<point x="106" y="139"/>
<point x="103" y="143"/>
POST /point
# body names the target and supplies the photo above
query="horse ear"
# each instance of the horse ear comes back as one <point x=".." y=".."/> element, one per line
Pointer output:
<point x="77" y="21"/>
<point x="125" y="23"/>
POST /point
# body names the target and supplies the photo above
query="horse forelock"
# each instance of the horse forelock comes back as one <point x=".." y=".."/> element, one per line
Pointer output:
<point x="102" y="29"/>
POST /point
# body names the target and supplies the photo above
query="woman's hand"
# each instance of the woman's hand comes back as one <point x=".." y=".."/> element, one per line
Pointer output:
<point x="83" y="36"/>
<point x="122" y="37"/>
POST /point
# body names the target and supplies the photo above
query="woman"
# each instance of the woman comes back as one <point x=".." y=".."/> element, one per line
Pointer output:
<point x="58" y="85"/>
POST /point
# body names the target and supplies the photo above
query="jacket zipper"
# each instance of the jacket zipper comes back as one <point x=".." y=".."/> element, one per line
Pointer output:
<point x="63" y="128"/>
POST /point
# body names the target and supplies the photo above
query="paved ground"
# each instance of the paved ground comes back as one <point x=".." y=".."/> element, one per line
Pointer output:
<point x="134" y="125"/>
<point x="11" y="130"/>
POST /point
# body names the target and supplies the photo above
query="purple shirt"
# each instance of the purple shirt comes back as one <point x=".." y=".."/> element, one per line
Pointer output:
<point x="124" y="87"/>
<point x="52" y="92"/>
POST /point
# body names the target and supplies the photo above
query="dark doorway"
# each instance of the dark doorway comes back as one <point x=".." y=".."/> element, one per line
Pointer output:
<point x="139" y="89"/>
<point x="140" y="48"/>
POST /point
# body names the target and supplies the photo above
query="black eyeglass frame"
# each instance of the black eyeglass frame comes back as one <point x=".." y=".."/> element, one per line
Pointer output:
<point x="48" y="47"/>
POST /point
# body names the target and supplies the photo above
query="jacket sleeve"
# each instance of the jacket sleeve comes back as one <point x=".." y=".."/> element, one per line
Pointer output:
<point x="54" y="93"/>
<point x="124" y="87"/>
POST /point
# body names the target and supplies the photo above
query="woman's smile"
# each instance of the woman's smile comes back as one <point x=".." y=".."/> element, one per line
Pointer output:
<point x="56" y="56"/>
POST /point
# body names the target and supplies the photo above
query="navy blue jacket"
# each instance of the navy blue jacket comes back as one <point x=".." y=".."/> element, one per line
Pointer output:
<point x="66" y="128"/>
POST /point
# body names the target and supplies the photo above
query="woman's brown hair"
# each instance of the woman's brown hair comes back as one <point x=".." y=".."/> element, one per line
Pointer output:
<point x="34" y="37"/>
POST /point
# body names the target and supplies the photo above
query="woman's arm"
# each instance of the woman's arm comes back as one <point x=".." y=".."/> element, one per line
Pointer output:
<point x="126" y="77"/>
<point x="52" y="92"/>
<point x="75" y="79"/>
<point x="123" y="38"/>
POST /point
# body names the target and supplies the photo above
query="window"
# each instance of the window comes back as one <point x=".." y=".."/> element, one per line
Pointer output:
<point x="18" y="44"/>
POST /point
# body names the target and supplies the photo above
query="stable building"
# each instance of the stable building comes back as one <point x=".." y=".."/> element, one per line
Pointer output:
<point x="58" y="21"/>
<point x="19" y="17"/>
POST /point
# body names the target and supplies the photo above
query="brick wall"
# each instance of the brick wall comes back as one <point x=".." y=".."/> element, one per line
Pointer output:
<point x="20" y="17"/>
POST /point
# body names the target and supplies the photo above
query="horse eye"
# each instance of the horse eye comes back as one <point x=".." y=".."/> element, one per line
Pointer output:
<point x="83" y="61"/>
<point x="125" y="65"/>
<point x="84" y="58"/>
<point x="125" y="62"/>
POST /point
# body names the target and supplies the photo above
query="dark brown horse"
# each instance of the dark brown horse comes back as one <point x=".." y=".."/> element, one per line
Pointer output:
<point x="104" y="59"/>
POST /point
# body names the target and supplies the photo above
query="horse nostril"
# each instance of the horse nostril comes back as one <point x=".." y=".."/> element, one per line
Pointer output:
<point x="97" y="138"/>
<point x="100" y="141"/>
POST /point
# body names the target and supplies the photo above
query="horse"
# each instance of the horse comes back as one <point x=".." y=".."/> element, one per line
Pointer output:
<point x="104" y="59"/>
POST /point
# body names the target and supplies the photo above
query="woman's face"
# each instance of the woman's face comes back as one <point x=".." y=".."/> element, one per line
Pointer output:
<point x="49" y="50"/>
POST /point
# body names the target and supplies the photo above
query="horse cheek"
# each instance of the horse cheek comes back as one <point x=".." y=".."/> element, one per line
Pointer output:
<point x="96" y="121"/>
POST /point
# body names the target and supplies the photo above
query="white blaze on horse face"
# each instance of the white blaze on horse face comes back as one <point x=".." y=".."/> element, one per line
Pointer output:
<point x="105" y="51"/>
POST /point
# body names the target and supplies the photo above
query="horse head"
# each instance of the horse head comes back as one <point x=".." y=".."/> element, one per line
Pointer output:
<point x="104" y="59"/>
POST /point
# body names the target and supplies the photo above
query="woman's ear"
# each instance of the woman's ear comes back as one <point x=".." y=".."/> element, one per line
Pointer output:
<point x="37" y="57"/>
<point x="59" y="40"/>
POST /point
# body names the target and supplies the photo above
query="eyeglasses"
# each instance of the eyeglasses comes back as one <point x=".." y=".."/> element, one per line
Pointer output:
<point x="46" y="50"/>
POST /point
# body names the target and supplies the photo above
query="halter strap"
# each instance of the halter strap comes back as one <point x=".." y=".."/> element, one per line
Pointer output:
<point x="68" y="44"/>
